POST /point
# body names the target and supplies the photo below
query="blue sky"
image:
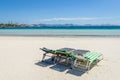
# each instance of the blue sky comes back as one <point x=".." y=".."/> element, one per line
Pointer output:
<point x="60" y="11"/>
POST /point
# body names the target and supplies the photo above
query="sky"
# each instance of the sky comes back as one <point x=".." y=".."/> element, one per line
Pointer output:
<point x="60" y="11"/>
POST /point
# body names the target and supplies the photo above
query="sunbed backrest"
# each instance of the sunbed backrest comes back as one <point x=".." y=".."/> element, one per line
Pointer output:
<point x="91" y="56"/>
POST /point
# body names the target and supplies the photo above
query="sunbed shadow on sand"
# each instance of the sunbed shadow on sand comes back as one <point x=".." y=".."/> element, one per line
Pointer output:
<point x="45" y="63"/>
<point x="75" y="72"/>
<point x="60" y="67"/>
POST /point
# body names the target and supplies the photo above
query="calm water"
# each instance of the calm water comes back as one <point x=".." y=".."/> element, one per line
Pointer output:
<point x="60" y="32"/>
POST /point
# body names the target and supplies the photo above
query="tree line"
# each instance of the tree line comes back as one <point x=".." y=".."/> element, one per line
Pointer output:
<point x="8" y="25"/>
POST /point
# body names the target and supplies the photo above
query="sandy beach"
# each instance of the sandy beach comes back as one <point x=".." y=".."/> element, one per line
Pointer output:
<point x="20" y="58"/>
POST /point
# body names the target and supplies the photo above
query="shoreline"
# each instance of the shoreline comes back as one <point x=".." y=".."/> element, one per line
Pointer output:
<point x="66" y="36"/>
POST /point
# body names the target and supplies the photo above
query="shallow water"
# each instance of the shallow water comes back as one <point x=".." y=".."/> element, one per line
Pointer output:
<point x="60" y="32"/>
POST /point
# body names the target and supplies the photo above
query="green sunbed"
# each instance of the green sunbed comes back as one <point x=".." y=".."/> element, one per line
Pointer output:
<point x="75" y="57"/>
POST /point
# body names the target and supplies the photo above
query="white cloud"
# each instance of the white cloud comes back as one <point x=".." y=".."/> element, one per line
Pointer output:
<point x="80" y="20"/>
<point x="65" y="19"/>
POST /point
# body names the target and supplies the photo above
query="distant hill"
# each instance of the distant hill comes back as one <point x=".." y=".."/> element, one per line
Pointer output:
<point x="58" y="26"/>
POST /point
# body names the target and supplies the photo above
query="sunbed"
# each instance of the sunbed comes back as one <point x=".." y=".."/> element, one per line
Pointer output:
<point x="81" y="59"/>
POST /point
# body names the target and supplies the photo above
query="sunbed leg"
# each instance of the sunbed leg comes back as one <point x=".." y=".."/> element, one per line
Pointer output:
<point x="89" y="67"/>
<point x="72" y="65"/>
<point x="44" y="56"/>
<point x="55" y="59"/>
<point x="67" y="60"/>
<point x="97" y="62"/>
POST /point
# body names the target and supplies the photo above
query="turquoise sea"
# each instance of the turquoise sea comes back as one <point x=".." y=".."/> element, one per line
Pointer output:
<point x="60" y="32"/>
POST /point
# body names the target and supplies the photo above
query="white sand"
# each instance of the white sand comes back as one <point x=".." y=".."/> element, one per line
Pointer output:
<point x="19" y="55"/>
